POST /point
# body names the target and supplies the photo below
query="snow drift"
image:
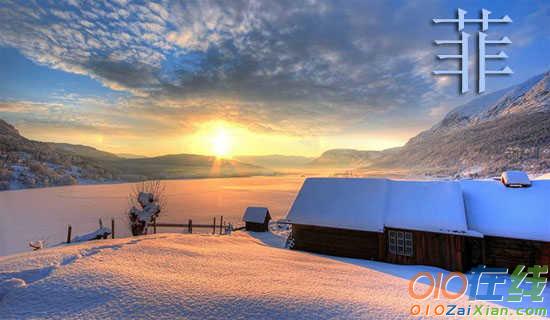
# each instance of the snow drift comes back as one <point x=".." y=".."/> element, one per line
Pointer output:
<point x="172" y="276"/>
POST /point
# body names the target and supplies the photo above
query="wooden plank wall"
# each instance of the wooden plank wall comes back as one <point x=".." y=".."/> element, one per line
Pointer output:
<point x="433" y="249"/>
<point x="337" y="242"/>
<point x="508" y="253"/>
<point x="258" y="227"/>
<point x="450" y="252"/>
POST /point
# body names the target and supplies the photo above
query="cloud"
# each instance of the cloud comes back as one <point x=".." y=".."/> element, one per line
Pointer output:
<point x="302" y="67"/>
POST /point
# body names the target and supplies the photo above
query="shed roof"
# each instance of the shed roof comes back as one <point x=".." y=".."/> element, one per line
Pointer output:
<point x="495" y="210"/>
<point x="255" y="214"/>
<point x="356" y="204"/>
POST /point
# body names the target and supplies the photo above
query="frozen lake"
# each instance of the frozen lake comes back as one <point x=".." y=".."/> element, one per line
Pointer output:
<point x="43" y="214"/>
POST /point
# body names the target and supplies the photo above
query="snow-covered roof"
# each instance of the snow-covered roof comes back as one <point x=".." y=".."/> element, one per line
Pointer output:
<point x="357" y="204"/>
<point x="435" y="206"/>
<point x="495" y="210"/>
<point x="469" y="207"/>
<point x="515" y="178"/>
<point x="255" y="214"/>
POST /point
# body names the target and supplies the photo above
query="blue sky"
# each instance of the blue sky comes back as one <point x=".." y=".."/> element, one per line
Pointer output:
<point x="123" y="75"/>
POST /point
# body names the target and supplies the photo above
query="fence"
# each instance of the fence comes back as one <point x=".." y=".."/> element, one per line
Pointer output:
<point x="222" y="226"/>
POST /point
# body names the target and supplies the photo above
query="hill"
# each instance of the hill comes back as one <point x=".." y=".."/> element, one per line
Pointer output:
<point x="84" y="151"/>
<point x="346" y="158"/>
<point x="130" y="155"/>
<point x="276" y="161"/>
<point x="26" y="163"/>
<point x="179" y="166"/>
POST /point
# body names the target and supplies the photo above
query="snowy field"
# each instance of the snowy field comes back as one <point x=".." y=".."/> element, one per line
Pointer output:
<point x="43" y="214"/>
<point x="173" y="276"/>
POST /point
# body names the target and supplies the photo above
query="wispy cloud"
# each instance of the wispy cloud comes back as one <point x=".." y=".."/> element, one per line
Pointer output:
<point x="301" y="67"/>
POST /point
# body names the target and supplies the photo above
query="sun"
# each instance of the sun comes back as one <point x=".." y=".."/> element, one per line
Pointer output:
<point x="221" y="143"/>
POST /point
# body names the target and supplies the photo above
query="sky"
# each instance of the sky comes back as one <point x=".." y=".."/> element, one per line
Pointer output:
<point x="245" y="77"/>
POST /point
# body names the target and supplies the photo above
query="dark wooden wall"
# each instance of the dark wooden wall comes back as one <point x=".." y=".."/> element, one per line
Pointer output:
<point x="258" y="227"/>
<point x="337" y="242"/>
<point x="434" y="249"/>
<point x="450" y="252"/>
<point x="508" y="253"/>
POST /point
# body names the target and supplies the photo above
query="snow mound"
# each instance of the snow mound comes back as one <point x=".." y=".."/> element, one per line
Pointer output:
<point x="173" y="276"/>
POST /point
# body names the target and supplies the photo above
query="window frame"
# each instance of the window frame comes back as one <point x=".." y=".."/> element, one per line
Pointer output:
<point x="400" y="243"/>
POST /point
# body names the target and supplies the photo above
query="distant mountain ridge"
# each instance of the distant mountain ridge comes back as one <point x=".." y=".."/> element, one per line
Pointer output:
<point x="85" y="151"/>
<point x="346" y="158"/>
<point x="276" y="161"/>
<point x="26" y="163"/>
<point x="508" y="129"/>
<point x="528" y="97"/>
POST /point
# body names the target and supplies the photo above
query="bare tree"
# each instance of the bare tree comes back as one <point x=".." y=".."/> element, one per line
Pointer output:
<point x="147" y="200"/>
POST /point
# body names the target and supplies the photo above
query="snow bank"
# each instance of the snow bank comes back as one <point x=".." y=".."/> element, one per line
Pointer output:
<point x="255" y="214"/>
<point x="172" y="276"/>
<point x="357" y="204"/>
<point x="496" y="210"/>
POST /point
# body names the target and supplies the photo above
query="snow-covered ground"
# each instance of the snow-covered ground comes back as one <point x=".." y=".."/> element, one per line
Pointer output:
<point x="174" y="276"/>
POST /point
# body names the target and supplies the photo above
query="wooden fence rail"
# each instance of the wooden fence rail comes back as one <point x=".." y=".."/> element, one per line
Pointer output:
<point x="190" y="225"/>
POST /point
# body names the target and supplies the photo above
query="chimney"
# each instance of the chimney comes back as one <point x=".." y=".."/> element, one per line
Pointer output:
<point x="515" y="179"/>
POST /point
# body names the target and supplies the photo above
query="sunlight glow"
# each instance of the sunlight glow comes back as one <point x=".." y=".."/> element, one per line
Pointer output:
<point x="221" y="143"/>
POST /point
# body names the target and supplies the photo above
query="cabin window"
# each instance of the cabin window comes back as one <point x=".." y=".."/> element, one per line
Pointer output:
<point x="400" y="243"/>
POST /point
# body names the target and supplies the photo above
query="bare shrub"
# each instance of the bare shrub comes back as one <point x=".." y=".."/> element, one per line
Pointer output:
<point x="146" y="200"/>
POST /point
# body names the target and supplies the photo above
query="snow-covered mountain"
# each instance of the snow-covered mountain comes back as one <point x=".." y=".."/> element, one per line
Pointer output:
<point x="345" y="158"/>
<point x="507" y="129"/>
<point x="528" y="97"/>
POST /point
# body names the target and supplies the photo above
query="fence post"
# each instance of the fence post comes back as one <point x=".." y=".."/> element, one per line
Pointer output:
<point x="112" y="228"/>
<point x="214" y="226"/>
<point x="221" y="224"/>
<point x="69" y="229"/>
<point x="190" y="226"/>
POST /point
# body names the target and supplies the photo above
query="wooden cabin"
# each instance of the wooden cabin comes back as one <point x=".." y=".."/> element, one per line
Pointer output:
<point x="436" y="223"/>
<point x="256" y="219"/>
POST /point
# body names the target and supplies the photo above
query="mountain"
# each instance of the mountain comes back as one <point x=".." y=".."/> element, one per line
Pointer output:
<point x="130" y="156"/>
<point x="508" y="129"/>
<point x="346" y="158"/>
<point x="84" y="151"/>
<point x="276" y="161"/>
<point x="26" y="163"/>
<point x="179" y="166"/>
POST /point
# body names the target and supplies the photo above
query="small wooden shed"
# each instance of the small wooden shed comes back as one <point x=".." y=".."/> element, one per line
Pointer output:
<point x="256" y="219"/>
